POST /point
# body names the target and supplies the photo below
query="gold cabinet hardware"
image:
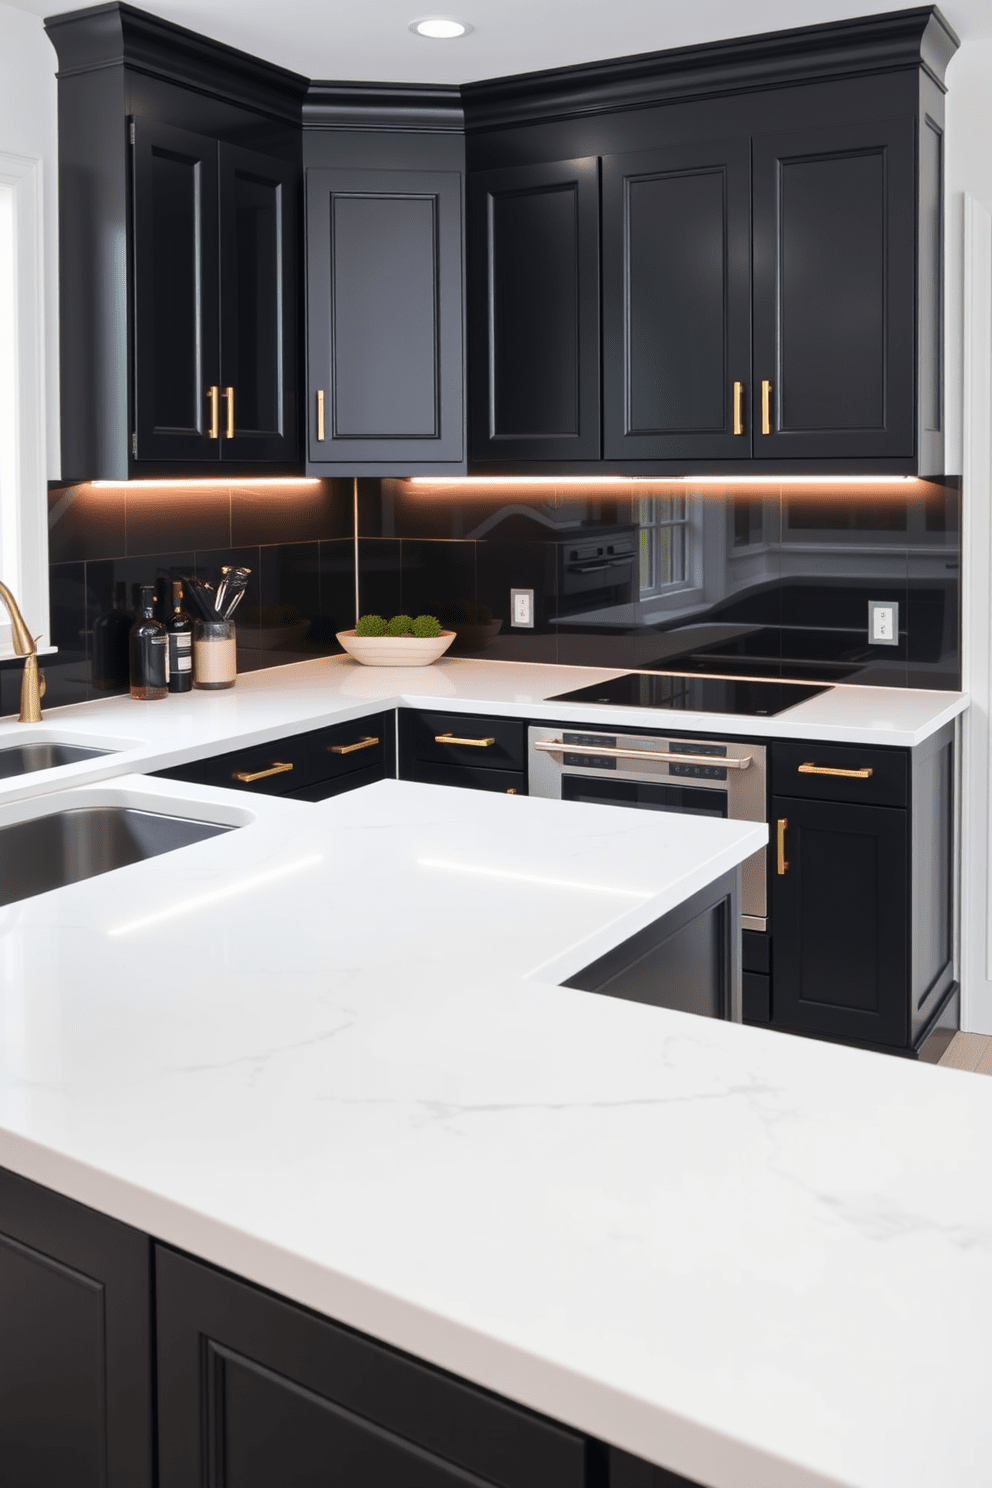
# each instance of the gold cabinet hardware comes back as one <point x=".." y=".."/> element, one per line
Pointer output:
<point x="320" y="415"/>
<point x="365" y="743"/>
<point x="248" y="776"/>
<point x="472" y="743"/>
<point x="780" y="826"/>
<point x="557" y="746"/>
<point x="864" y="773"/>
<point x="213" y="398"/>
<point x="229" y="400"/>
<point x="738" y="408"/>
<point x="766" y="408"/>
<point x="511" y="790"/>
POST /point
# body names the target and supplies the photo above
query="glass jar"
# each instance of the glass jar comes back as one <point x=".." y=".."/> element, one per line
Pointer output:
<point x="215" y="662"/>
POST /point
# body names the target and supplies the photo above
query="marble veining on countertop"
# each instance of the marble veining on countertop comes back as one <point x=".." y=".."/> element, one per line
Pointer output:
<point x="326" y="1052"/>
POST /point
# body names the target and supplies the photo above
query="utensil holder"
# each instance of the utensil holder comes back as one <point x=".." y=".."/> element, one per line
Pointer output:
<point x="215" y="663"/>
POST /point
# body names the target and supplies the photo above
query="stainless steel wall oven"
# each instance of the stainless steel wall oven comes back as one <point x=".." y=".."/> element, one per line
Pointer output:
<point x="659" y="772"/>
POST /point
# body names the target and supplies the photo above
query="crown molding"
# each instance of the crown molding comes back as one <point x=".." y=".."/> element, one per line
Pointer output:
<point x="120" y="35"/>
<point x="433" y="108"/>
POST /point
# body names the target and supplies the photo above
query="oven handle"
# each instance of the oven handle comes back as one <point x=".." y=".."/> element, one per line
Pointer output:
<point x="721" y="762"/>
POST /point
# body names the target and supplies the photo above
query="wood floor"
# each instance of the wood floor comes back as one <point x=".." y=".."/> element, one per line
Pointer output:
<point x="969" y="1051"/>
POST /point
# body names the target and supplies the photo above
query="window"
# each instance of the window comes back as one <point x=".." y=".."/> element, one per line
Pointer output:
<point x="23" y="505"/>
<point x="664" y="535"/>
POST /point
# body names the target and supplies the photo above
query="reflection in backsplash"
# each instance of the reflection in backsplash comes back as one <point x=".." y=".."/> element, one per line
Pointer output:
<point x="740" y="579"/>
<point x="679" y="575"/>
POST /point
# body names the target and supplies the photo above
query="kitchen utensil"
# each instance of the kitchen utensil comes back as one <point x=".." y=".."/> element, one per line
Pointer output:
<point x="225" y="574"/>
<point x="234" y="589"/>
<point x="202" y="596"/>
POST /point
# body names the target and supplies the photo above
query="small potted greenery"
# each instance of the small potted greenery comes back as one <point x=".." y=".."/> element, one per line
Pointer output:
<point x="401" y="641"/>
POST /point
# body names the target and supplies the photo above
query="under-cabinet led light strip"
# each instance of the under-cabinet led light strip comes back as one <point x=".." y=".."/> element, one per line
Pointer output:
<point x="655" y="480"/>
<point x="213" y="480"/>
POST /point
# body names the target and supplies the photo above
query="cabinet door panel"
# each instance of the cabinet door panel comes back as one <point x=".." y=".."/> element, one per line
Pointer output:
<point x="834" y="290"/>
<point x="75" y="1344"/>
<point x="385" y="321"/>
<point x="176" y="356"/>
<point x="258" y="305"/>
<point x="840" y="915"/>
<point x="535" y="312"/>
<point x="676" y="301"/>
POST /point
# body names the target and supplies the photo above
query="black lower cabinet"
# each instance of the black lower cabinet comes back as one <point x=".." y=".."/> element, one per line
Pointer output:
<point x="261" y="1392"/>
<point x="841" y="916"/>
<point x="75" y="1344"/>
<point x="463" y="750"/>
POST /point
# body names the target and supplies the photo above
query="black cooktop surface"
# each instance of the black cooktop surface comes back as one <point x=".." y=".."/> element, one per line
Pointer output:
<point x="692" y="694"/>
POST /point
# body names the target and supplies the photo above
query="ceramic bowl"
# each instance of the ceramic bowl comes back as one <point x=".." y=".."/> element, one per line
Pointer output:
<point x="395" y="651"/>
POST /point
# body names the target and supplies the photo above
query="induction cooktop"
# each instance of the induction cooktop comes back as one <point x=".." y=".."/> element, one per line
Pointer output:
<point x="693" y="694"/>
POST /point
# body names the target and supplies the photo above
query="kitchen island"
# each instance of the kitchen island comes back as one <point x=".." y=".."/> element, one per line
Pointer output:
<point x="326" y="1052"/>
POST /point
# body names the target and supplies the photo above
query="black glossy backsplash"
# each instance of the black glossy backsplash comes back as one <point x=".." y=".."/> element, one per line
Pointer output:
<point x="756" y="581"/>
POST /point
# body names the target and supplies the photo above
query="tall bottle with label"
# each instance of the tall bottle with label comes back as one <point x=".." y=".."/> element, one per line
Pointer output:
<point x="179" y="628"/>
<point x="149" y="651"/>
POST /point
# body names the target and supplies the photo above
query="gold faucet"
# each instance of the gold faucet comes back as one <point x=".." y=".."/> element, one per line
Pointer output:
<point x="32" y="682"/>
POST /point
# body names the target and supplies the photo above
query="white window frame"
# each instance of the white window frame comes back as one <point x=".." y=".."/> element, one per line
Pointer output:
<point x="23" y="484"/>
<point x="649" y="532"/>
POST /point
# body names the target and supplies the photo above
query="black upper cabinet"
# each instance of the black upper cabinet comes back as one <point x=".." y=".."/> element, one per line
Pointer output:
<point x="534" y="256"/>
<point x="676" y="302"/>
<point x="384" y="313"/>
<point x="214" y="307"/>
<point x="835" y="292"/>
<point x="176" y="292"/>
<point x="178" y="246"/>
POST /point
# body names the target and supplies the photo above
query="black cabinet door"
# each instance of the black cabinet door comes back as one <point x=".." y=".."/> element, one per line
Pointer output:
<point x="176" y="359"/>
<point x="676" y="303"/>
<point x="254" y="1392"/>
<point x="75" y="1344"/>
<point x="835" y="292"/>
<point x="534" y="312"/>
<point x="258" y="307"/>
<point x="840" y="916"/>
<point x="384" y="314"/>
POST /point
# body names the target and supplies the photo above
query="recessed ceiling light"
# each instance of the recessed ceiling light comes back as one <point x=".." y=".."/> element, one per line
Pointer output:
<point x="439" y="28"/>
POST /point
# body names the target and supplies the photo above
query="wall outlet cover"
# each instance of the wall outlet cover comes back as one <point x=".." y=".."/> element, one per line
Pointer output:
<point x="883" y="622"/>
<point x="522" y="608"/>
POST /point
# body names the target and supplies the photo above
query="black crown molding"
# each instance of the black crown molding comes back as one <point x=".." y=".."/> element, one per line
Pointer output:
<point x="119" y="35"/>
<point x="840" y="49"/>
<point x="432" y="108"/>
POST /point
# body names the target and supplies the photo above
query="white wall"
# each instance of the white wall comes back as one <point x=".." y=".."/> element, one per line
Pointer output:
<point x="28" y="126"/>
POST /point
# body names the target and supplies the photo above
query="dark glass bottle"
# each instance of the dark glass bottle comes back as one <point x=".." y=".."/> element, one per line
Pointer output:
<point x="149" y="647"/>
<point x="111" y="629"/>
<point x="180" y="631"/>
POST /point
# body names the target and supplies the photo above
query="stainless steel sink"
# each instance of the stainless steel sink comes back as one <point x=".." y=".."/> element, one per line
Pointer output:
<point x="19" y="758"/>
<point x="48" y="852"/>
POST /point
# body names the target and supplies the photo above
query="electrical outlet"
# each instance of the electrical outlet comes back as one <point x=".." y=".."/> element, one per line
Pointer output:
<point x="883" y="622"/>
<point x="522" y="608"/>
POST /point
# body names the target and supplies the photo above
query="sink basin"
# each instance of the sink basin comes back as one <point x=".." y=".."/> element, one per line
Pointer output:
<point x="20" y="758"/>
<point x="48" y="852"/>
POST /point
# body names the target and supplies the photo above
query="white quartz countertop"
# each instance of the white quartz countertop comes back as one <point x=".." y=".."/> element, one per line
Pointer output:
<point x="327" y="1052"/>
<point x="267" y="704"/>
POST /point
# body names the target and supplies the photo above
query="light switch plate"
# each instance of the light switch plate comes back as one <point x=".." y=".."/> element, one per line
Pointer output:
<point x="522" y="608"/>
<point x="883" y="622"/>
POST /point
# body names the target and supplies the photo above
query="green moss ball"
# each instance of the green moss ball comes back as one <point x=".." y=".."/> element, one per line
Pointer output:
<point x="425" y="626"/>
<point x="371" y="625"/>
<point x="400" y="625"/>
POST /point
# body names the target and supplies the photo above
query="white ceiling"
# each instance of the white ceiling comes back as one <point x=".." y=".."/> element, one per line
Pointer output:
<point x="370" y="39"/>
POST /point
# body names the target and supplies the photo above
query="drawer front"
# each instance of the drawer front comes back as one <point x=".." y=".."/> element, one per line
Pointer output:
<point x="287" y="766"/>
<point x="836" y="772"/>
<point x="757" y="997"/>
<point x="509" y="782"/>
<point x="454" y="739"/>
<point x="325" y="789"/>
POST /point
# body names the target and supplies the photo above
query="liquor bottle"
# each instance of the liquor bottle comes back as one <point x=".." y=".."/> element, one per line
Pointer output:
<point x="180" y="632"/>
<point x="111" y="629"/>
<point x="149" y="650"/>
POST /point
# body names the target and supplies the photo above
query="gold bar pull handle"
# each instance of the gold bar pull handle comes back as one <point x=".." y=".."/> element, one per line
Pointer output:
<point x="472" y="743"/>
<point x="229" y="400"/>
<point x="320" y="415"/>
<point x="365" y="743"/>
<point x="782" y="862"/>
<point x="738" y="408"/>
<point x="766" y="408"/>
<point x="865" y="773"/>
<point x="247" y="777"/>
<point x="213" y="398"/>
